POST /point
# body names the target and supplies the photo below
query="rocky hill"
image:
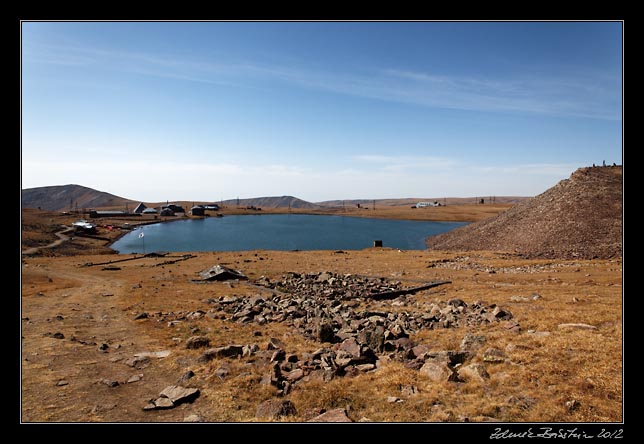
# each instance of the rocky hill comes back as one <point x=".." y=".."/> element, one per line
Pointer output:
<point x="580" y="217"/>
<point x="272" y="202"/>
<point x="70" y="197"/>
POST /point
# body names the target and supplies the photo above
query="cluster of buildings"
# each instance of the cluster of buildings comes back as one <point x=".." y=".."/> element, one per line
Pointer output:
<point x="164" y="210"/>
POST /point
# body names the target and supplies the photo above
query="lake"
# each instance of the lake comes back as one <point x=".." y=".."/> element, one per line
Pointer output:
<point x="280" y="232"/>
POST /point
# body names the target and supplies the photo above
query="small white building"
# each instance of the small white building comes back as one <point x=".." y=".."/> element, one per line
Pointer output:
<point x="428" y="204"/>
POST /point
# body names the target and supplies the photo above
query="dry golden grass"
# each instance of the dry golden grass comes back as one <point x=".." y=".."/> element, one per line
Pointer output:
<point x="540" y="375"/>
<point x="449" y="213"/>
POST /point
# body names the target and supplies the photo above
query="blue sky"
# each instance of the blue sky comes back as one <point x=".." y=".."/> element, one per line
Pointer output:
<point x="157" y="111"/>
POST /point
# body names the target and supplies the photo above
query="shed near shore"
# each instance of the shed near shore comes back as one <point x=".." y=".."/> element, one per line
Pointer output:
<point x="198" y="210"/>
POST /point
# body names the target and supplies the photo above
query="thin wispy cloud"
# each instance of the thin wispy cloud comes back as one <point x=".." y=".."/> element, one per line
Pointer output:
<point x="534" y="169"/>
<point x="400" y="164"/>
<point x="575" y="94"/>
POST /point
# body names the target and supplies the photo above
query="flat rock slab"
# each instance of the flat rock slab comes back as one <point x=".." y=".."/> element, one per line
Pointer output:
<point x="221" y="273"/>
<point x="578" y="326"/>
<point x="160" y="403"/>
<point x="172" y="396"/>
<point x="227" y="351"/>
<point x="156" y="354"/>
<point x="178" y="394"/>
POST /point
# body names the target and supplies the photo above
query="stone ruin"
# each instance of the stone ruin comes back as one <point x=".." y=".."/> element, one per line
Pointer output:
<point x="333" y="309"/>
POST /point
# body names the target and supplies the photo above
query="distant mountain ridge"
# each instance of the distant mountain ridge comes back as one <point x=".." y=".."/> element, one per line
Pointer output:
<point x="70" y="197"/>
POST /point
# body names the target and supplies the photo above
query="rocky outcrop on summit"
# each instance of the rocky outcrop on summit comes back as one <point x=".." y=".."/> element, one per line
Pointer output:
<point x="580" y="217"/>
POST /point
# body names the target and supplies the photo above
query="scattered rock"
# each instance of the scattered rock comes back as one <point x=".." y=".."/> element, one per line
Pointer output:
<point x="335" y="415"/>
<point x="494" y="355"/>
<point x="274" y="343"/>
<point x="138" y="362"/>
<point x="135" y="378"/>
<point x="472" y="343"/>
<point x="156" y="354"/>
<point x="438" y="371"/>
<point x="572" y="405"/>
<point x="275" y="409"/>
<point x="221" y="273"/>
<point x="178" y="394"/>
<point x="222" y="371"/>
<point x="143" y="315"/>
<point x="519" y="299"/>
<point x="474" y="371"/>
<point x="186" y="376"/>
<point x="195" y="342"/>
<point x="61" y="383"/>
<point x="193" y="418"/>
<point x="409" y="390"/>
<point x="110" y="383"/>
<point x="159" y="404"/>
<point x="578" y="326"/>
<point x="539" y="334"/>
<point x="100" y="408"/>
<point x="227" y="351"/>
<point x="278" y="355"/>
<point x="324" y="332"/>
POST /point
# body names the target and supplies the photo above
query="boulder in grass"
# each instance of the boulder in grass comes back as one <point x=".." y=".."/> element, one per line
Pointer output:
<point x="275" y="409"/>
<point x="335" y="415"/>
<point x="195" y="342"/>
<point x="474" y="372"/>
<point x="438" y="371"/>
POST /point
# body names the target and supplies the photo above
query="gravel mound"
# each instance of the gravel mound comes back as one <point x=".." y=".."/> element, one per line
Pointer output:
<point x="580" y="217"/>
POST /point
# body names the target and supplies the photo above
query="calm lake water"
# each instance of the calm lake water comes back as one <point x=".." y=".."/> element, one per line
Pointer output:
<point x="280" y="232"/>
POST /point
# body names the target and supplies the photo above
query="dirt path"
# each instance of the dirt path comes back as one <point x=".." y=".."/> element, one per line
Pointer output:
<point x="78" y="334"/>
<point x="62" y="237"/>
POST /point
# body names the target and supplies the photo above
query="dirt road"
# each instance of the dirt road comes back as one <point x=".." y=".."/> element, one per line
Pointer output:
<point x="62" y="237"/>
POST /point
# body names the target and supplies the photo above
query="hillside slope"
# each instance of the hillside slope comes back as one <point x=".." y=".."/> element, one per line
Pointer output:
<point x="272" y="202"/>
<point x="580" y="217"/>
<point x="68" y="197"/>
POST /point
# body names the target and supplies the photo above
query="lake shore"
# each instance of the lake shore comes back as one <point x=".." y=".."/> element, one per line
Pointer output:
<point x="282" y="232"/>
